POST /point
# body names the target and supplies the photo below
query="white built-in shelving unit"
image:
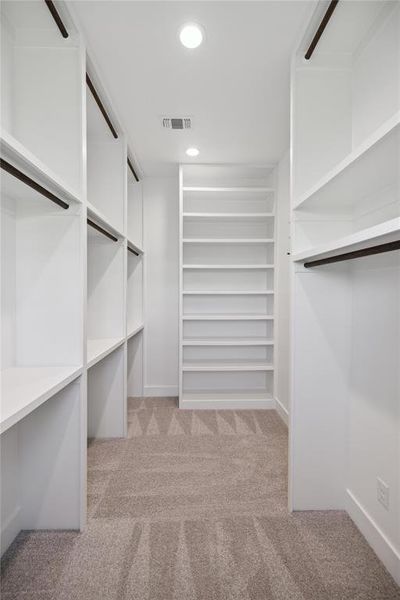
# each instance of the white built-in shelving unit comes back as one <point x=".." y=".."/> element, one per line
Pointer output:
<point x="227" y="255"/>
<point x="71" y="297"/>
<point x="345" y="185"/>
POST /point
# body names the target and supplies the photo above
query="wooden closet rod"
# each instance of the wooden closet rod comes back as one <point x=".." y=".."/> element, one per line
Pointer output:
<point x="101" y="230"/>
<point x="389" y="247"/>
<point x="133" y="170"/>
<point x="321" y="29"/>
<point x="101" y="106"/>
<point x="31" y="183"/>
<point x="57" y="18"/>
<point x="133" y="252"/>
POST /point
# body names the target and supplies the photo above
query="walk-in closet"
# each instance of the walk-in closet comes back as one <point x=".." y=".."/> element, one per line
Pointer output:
<point x="200" y="300"/>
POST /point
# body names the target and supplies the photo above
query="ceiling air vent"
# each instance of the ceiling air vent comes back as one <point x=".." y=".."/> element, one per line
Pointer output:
<point x="177" y="123"/>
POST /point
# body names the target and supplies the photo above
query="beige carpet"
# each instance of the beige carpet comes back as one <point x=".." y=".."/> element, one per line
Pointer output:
<point x="193" y="507"/>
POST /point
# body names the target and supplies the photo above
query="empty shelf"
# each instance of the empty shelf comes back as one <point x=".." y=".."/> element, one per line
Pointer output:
<point x="25" y="388"/>
<point x="386" y="232"/>
<point x="256" y="190"/>
<point x="227" y="317"/>
<point x="237" y="267"/>
<point x="231" y="398"/>
<point x="228" y="241"/>
<point x="96" y="215"/>
<point x="227" y="366"/>
<point x="193" y="215"/>
<point x="227" y="292"/>
<point x="227" y="342"/>
<point x="99" y="348"/>
<point x="135" y="247"/>
<point x="135" y="330"/>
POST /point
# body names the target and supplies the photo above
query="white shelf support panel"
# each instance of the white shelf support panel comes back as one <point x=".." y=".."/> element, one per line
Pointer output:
<point x="227" y="272"/>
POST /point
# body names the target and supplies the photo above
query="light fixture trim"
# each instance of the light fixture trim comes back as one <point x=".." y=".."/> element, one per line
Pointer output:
<point x="191" y="35"/>
<point x="192" y="152"/>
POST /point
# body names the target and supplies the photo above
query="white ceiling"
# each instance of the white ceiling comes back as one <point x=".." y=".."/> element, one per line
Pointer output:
<point x="235" y="85"/>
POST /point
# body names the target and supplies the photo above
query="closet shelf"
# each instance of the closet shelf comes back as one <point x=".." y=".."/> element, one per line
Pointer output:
<point x="135" y="247"/>
<point x="17" y="154"/>
<point x="386" y="232"/>
<point x="228" y="241"/>
<point x="223" y="267"/>
<point x="225" y="215"/>
<point x="228" y="396"/>
<point x="255" y="190"/>
<point x="25" y="388"/>
<point x="227" y="366"/>
<point x="227" y="292"/>
<point x="96" y="215"/>
<point x="227" y="317"/>
<point x="97" y="349"/>
<point x="228" y="341"/>
<point x="366" y="168"/>
<point x="135" y="330"/>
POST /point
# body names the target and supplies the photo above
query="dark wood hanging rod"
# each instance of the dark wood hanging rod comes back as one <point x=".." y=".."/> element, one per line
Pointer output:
<point x="321" y="29"/>
<point x="389" y="247"/>
<point x="57" y="18"/>
<point x="133" y="170"/>
<point x="101" y="106"/>
<point x="31" y="183"/>
<point x="101" y="230"/>
<point x="133" y="251"/>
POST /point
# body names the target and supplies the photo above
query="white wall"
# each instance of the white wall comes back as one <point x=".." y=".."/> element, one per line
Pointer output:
<point x="282" y="296"/>
<point x="161" y="288"/>
<point x="374" y="411"/>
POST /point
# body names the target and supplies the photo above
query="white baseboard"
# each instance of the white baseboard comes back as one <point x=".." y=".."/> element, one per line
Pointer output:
<point x="218" y="404"/>
<point x="282" y="412"/>
<point x="10" y="529"/>
<point x="378" y="541"/>
<point x="160" y="390"/>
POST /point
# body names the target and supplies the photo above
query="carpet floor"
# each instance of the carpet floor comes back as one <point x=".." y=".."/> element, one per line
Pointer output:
<point x="193" y="506"/>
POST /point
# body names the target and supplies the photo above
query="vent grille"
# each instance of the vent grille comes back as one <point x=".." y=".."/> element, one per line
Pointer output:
<point x="177" y="123"/>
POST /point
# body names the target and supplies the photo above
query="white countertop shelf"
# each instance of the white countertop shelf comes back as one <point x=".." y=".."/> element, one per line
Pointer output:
<point x="96" y="215"/>
<point x="15" y="152"/>
<point x="227" y="317"/>
<point x="237" y="267"/>
<point x="25" y="388"/>
<point x="216" y="365"/>
<point x="225" y="215"/>
<point x="386" y="232"/>
<point x="232" y="241"/>
<point x="227" y="292"/>
<point x="372" y="164"/>
<point x="228" y="341"/>
<point x="97" y="349"/>
<point x="255" y="190"/>
<point x="135" y="331"/>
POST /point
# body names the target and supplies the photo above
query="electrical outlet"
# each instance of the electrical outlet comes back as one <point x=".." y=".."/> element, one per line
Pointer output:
<point x="382" y="492"/>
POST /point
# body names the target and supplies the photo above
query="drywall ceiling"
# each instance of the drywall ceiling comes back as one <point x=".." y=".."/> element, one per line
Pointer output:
<point x="235" y="86"/>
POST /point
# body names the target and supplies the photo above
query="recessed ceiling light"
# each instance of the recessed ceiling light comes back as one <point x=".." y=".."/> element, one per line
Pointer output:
<point x="192" y="152"/>
<point x="191" y="35"/>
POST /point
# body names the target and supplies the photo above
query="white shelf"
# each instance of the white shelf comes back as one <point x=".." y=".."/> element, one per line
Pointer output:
<point x="386" y="232"/>
<point x="15" y="152"/>
<point x="227" y="342"/>
<point x="228" y="317"/>
<point x="227" y="366"/>
<point x="228" y="396"/>
<point x="225" y="215"/>
<point x="260" y="267"/>
<point x="228" y="241"/>
<point x="228" y="293"/>
<point x="101" y="219"/>
<point x="135" y="247"/>
<point x="256" y="190"/>
<point x="100" y="348"/>
<point x="135" y="330"/>
<point x="360" y="171"/>
<point x="25" y="388"/>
